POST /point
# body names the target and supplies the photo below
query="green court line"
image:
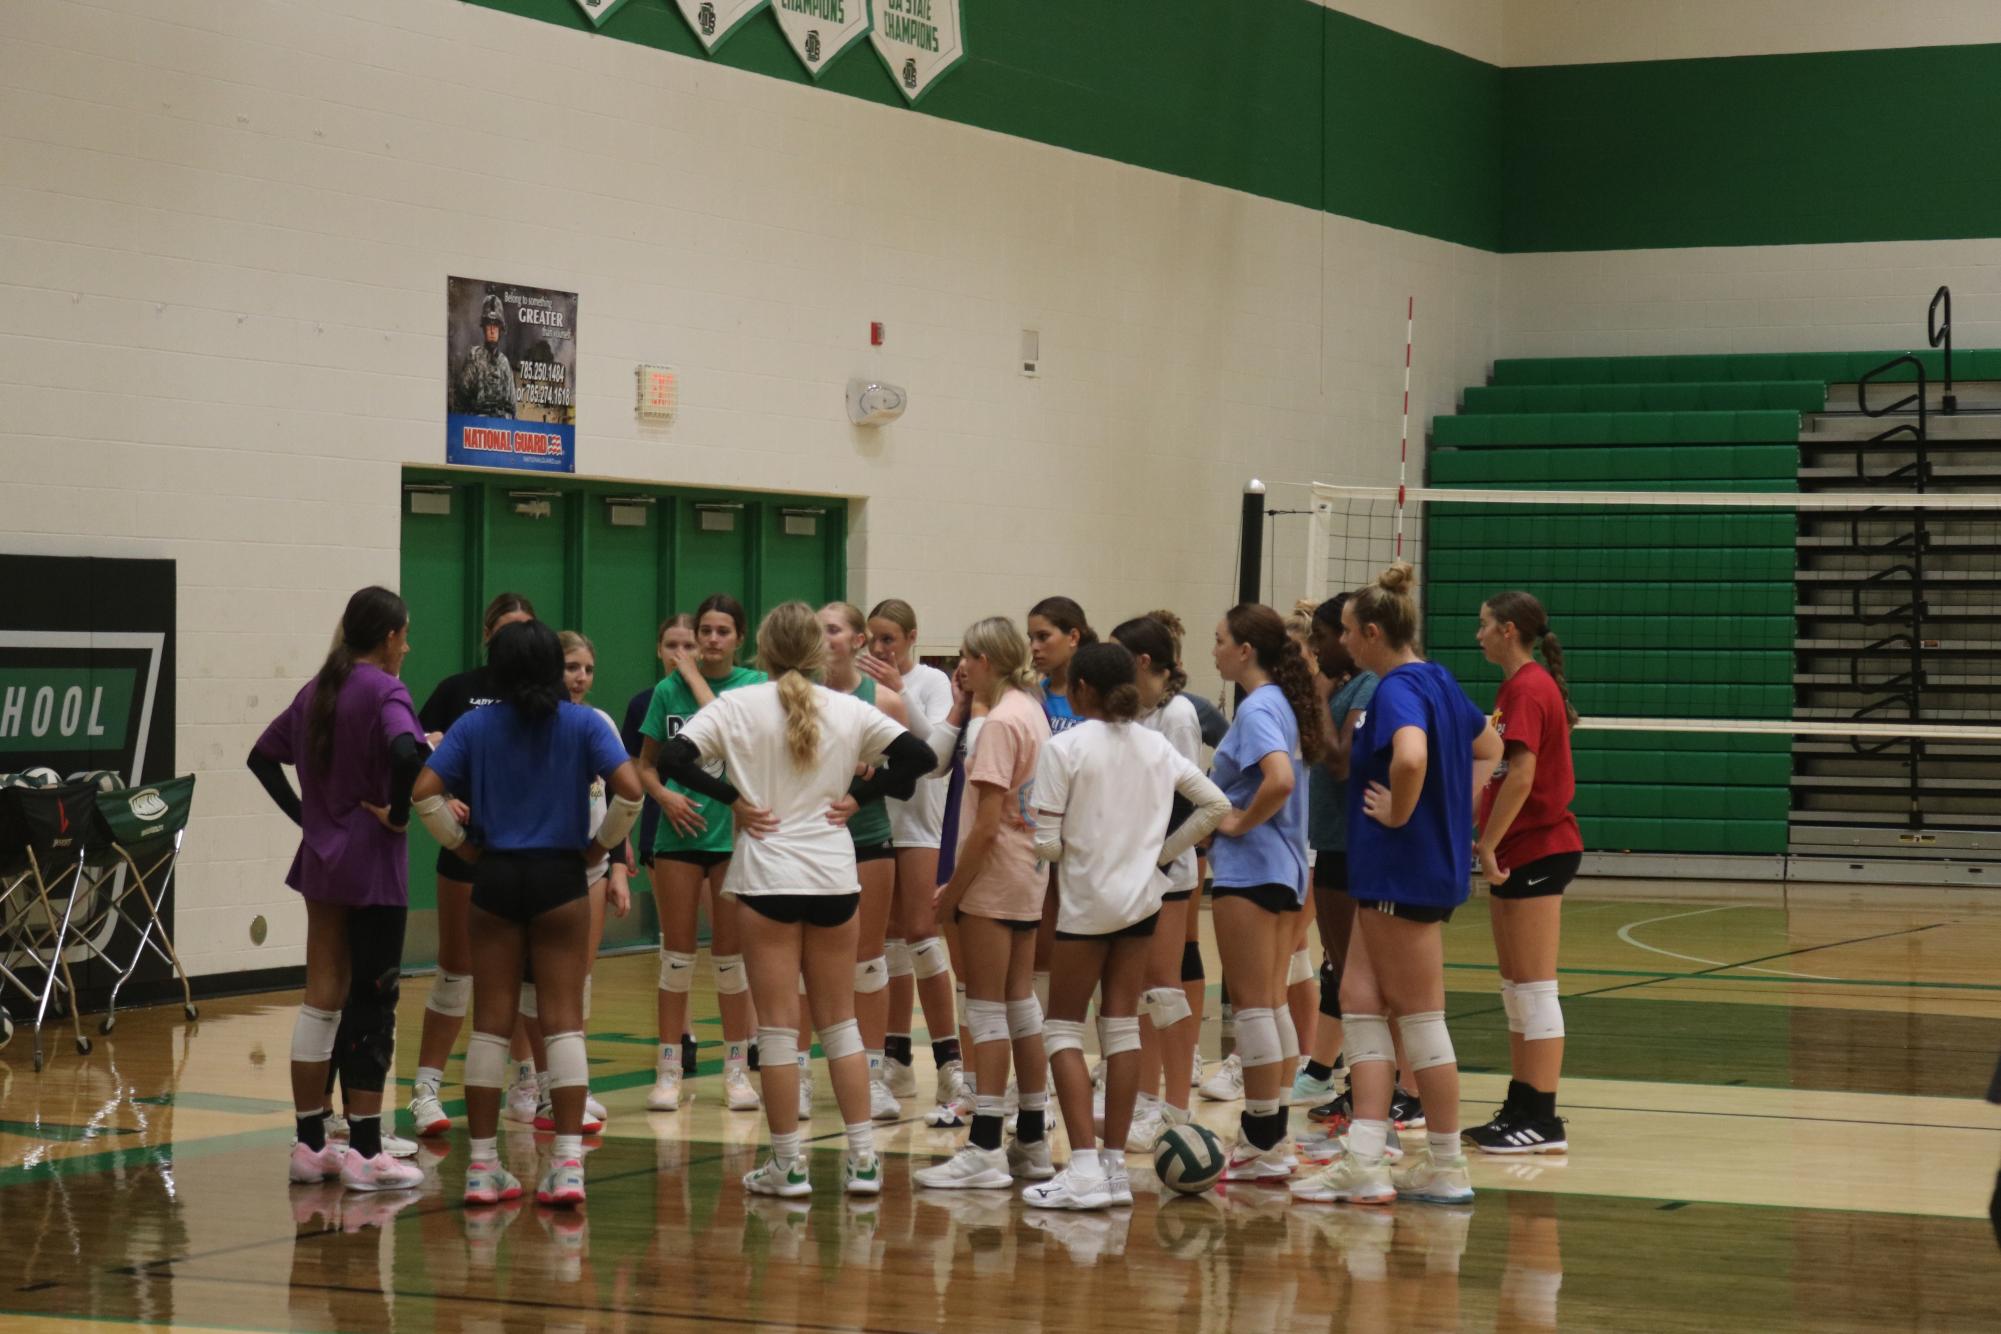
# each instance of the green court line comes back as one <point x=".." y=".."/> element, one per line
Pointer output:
<point x="1718" y="977"/>
<point x="66" y="1134"/>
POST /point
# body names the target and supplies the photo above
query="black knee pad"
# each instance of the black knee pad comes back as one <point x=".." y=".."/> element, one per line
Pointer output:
<point x="366" y="1042"/>
<point x="1330" y="989"/>
<point x="1191" y="961"/>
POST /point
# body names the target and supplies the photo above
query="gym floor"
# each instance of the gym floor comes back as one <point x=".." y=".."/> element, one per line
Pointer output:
<point x="1775" y="1117"/>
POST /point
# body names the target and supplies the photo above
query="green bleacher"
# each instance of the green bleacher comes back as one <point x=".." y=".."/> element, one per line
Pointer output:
<point x="1826" y="367"/>
<point x="1695" y="396"/>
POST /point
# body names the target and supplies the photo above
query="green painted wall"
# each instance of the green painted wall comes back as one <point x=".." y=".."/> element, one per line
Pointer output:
<point x="1753" y="150"/>
<point x="1280" y="98"/>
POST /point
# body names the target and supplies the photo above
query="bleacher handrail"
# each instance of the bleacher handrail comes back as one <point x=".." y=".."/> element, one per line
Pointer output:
<point x="1939" y="333"/>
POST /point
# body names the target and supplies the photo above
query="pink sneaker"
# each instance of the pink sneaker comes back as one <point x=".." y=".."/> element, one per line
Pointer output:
<point x="562" y="1184"/>
<point x="379" y="1173"/>
<point x="310" y="1166"/>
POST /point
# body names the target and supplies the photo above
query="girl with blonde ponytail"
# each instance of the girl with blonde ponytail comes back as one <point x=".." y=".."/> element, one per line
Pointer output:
<point x="792" y="749"/>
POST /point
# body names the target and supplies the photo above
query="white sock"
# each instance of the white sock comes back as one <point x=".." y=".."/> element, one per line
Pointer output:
<point x="736" y="1053"/>
<point x="569" y="1148"/>
<point x="805" y="1066"/>
<point x="429" y="1077"/>
<point x="875" y="1064"/>
<point x="861" y="1139"/>
<point x="785" y="1148"/>
<point x="524" y="1071"/>
<point x="1368" y="1139"/>
<point x="486" y="1150"/>
<point x="1443" y="1147"/>
<point x="670" y="1055"/>
<point x="1087" y="1163"/>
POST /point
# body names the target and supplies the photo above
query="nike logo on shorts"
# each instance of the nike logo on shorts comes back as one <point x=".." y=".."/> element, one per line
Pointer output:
<point x="1533" y="883"/>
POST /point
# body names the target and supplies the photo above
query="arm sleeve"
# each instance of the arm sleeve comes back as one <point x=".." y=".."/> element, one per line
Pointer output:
<point x="944" y="743"/>
<point x="1208" y="806"/>
<point x="905" y="760"/>
<point x="406" y="761"/>
<point x="681" y="762"/>
<point x="271" y="773"/>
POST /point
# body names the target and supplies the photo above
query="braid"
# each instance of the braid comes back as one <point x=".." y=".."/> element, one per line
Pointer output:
<point x="802" y="717"/>
<point x="1552" y="657"/>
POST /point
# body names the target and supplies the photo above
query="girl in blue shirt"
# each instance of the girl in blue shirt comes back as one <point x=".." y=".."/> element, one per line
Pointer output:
<point x="1057" y="628"/>
<point x="1410" y="842"/>
<point x="1260" y="864"/>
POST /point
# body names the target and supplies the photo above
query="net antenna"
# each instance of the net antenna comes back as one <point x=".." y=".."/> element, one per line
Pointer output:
<point x="1403" y="446"/>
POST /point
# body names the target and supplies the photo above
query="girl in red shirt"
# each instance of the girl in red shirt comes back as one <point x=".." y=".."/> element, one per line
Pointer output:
<point x="1529" y="850"/>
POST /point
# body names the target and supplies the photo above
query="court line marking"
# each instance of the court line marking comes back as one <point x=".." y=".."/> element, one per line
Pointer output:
<point x="1626" y="934"/>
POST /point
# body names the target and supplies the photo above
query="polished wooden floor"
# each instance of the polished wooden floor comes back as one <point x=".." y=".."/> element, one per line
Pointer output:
<point x="1775" y="1114"/>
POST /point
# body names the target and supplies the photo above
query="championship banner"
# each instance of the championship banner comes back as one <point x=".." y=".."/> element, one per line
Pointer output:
<point x="820" y="30"/>
<point x="511" y="376"/>
<point x="597" y="11"/>
<point x="920" y="40"/>
<point x="714" y="20"/>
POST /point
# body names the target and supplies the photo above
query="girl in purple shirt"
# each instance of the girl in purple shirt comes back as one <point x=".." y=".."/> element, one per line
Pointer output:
<point x="353" y="736"/>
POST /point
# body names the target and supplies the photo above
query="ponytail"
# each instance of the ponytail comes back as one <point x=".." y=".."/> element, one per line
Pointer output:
<point x="371" y="616"/>
<point x="1006" y="650"/>
<point x="1263" y="631"/>
<point x="1112" y="674"/>
<point x="1525" y="612"/>
<point x="1148" y="635"/>
<point x="792" y="650"/>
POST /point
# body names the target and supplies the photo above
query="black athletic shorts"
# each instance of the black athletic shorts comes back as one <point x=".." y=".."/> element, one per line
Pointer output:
<point x="809" y="909"/>
<point x="1330" y="869"/>
<point x="1409" y="912"/>
<point x="1539" y="879"/>
<point x="521" y="886"/>
<point x="1177" y="896"/>
<point x="874" y="852"/>
<point x="453" y="867"/>
<point x="705" y="860"/>
<point x="1272" y="898"/>
<point x="1140" y="929"/>
<point x="1034" y="924"/>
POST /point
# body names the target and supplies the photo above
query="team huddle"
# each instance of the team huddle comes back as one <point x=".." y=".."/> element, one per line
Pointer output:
<point x="1016" y="850"/>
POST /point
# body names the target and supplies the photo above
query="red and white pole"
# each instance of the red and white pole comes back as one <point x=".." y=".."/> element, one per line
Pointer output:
<point x="1403" y="449"/>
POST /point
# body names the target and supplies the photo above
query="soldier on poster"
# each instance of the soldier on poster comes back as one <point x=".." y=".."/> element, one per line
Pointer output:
<point x="485" y="383"/>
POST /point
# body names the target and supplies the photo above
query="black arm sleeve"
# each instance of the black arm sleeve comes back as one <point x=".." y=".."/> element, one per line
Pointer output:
<point x="272" y="775"/>
<point x="406" y="761"/>
<point x="681" y="763"/>
<point x="906" y="761"/>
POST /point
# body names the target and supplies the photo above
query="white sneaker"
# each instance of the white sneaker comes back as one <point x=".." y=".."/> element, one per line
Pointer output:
<point x="490" y="1183"/>
<point x="523" y="1096"/>
<point x="1070" y="1189"/>
<point x="901" y="1078"/>
<point x="336" y="1124"/>
<point x="863" y="1175"/>
<point x="882" y="1103"/>
<point x="666" y="1094"/>
<point x="739" y="1091"/>
<point x="1195" y="1072"/>
<point x="379" y="1173"/>
<point x="1227" y="1084"/>
<point x="806" y="1093"/>
<point x="1434" y="1180"/>
<point x="1148" y="1123"/>
<point x="945" y="1116"/>
<point x="971" y="1168"/>
<point x="1098" y="1092"/>
<point x="398" y="1147"/>
<point x="1120" y="1179"/>
<point x="784" y="1179"/>
<point x="1030" y="1162"/>
<point x="562" y="1185"/>
<point x="594" y="1111"/>
<point x="951" y="1081"/>
<point x="428" y="1112"/>
<point x="1348" y="1180"/>
<point x="1250" y="1163"/>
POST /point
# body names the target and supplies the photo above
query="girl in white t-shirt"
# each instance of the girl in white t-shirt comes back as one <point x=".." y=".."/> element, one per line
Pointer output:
<point x="791" y="748"/>
<point x="920" y="970"/>
<point x="1104" y="803"/>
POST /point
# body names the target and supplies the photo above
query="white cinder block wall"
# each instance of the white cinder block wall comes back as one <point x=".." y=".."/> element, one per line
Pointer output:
<point x="225" y="228"/>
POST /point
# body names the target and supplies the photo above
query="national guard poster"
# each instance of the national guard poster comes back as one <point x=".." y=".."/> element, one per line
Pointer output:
<point x="510" y="376"/>
<point x="920" y="40"/>
<point x="820" y="30"/>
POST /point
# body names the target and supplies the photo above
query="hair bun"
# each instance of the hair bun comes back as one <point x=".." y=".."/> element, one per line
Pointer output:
<point x="1397" y="578"/>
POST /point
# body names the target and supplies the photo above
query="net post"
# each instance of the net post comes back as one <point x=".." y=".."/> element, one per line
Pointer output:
<point x="1251" y="541"/>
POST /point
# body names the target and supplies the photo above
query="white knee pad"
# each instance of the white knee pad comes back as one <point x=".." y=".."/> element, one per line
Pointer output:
<point x="1542" y="1012"/>
<point x="1300" y="969"/>
<point x="776" y="1048"/>
<point x="677" y="972"/>
<point x="568" y="1066"/>
<point x="871" y="976"/>
<point x="486" y="1061"/>
<point x="1365" y="1038"/>
<point x="838" y="1040"/>
<point x="930" y="957"/>
<point x="731" y="979"/>
<point x="987" y="1019"/>
<point x="1425" y="1040"/>
<point x="526" y="1004"/>
<point x="1040" y="986"/>
<point x="1511" y="1001"/>
<point x="1288" y="1034"/>
<point x="1166" y="1006"/>
<point x="1062" y="1035"/>
<point x="965" y="1015"/>
<point x="313" y="1034"/>
<point x="1117" y="1036"/>
<point x="450" y="994"/>
<point x="1024" y="1018"/>
<point x="587" y="995"/>
<point x="897" y="954"/>
<point x="1257" y="1038"/>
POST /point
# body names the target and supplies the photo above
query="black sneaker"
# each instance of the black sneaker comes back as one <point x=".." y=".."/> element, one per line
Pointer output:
<point x="1406" y="1112"/>
<point x="1520" y="1135"/>
<point x="1502" y="1117"/>
<point x="1334" y="1115"/>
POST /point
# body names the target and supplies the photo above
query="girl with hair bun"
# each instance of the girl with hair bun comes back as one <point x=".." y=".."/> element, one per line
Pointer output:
<point x="1104" y="801"/>
<point x="1530" y="849"/>
<point x="792" y="748"/>
<point x="1410" y="826"/>
<point x="1260" y="866"/>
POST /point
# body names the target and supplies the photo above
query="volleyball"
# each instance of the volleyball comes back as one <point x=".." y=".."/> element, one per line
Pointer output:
<point x="1188" y="1159"/>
